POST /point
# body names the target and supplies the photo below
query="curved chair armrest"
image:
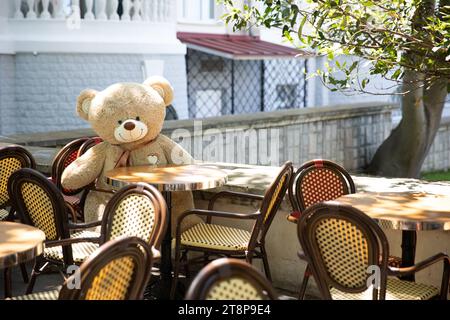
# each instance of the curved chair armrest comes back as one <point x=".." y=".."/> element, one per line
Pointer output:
<point x="424" y="264"/>
<point x="418" y="266"/>
<point x="69" y="241"/>
<point x="213" y="213"/>
<point x="232" y="194"/>
<point x="79" y="226"/>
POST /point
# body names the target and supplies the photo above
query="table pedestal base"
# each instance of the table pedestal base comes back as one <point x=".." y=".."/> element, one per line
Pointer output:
<point x="159" y="287"/>
<point x="155" y="290"/>
<point x="409" y="238"/>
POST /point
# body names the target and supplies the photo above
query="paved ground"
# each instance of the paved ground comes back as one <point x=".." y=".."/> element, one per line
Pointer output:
<point x="43" y="283"/>
<point x="51" y="281"/>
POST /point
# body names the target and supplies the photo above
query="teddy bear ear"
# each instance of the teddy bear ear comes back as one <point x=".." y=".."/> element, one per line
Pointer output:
<point x="84" y="102"/>
<point x="162" y="86"/>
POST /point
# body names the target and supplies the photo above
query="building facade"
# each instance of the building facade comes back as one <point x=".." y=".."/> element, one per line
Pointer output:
<point x="50" y="50"/>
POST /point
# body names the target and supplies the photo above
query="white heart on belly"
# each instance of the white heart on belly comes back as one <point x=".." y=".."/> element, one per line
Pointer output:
<point x="153" y="159"/>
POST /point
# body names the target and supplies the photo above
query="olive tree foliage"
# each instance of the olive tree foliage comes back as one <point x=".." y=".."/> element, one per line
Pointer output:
<point x="392" y="34"/>
<point x="406" y="42"/>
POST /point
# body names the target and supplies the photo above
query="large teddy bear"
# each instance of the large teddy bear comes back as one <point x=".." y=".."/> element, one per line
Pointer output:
<point x="129" y="118"/>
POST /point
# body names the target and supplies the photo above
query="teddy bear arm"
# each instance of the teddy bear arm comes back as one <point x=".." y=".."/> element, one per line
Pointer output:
<point x="85" y="169"/>
<point x="174" y="152"/>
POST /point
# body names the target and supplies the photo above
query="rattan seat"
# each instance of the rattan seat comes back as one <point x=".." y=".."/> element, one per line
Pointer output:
<point x="136" y="210"/>
<point x="396" y="290"/>
<point x="217" y="237"/>
<point x="3" y="214"/>
<point x="80" y="251"/>
<point x="215" y="240"/>
<point x="117" y="270"/>
<point x="44" y="295"/>
<point x="348" y="254"/>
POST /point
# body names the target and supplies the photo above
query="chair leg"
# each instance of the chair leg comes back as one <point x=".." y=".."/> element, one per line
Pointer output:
<point x="187" y="272"/>
<point x="266" y="263"/>
<point x="176" y="272"/>
<point x="23" y="270"/>
<point x="304" y="285"/>
<point x="37" y="269"/>
<point x="7" y="276"/>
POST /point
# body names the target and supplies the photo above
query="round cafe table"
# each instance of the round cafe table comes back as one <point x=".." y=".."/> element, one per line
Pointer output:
<point x="18" y="243"/>
<point x="168" y="178"/>
<point x="406" y="211"/>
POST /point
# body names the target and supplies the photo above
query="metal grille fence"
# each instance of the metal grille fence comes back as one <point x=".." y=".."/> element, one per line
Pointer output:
<point x="220" y="86"/>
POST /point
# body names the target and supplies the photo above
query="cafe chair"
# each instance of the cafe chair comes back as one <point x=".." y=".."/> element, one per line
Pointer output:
<point x="219" y="240"/>
<point x="314" y="182"/>
<point x="118" y="270"/>
<point x="345" y="247"/>
<point x="12" y="158"/>
<point x="136" y="210"/>
<point x="68" y="154"/>
<point x="89" y="143"/>
<point x="317" y="181"/>
<point x="230" y="279"/>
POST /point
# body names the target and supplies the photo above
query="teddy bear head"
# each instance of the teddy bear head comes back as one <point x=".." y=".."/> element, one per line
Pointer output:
<point x="127" y="114"/>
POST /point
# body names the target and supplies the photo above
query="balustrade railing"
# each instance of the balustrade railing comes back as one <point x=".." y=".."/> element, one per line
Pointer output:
<point x="102" y="10"/>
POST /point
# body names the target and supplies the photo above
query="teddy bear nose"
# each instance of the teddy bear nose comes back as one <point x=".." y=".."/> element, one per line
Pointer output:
<point x="129" y="125"/>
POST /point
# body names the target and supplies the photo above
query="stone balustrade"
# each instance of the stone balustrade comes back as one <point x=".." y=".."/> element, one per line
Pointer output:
<point x="130" y="10"/>
<point x="89" y="26"/>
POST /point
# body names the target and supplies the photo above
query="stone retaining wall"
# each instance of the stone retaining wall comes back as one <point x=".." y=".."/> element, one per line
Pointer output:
<point x="439" y="156"/>
<point x="347" y="134"/>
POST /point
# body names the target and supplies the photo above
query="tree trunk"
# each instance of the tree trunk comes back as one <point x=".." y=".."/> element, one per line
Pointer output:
<point x="403" y="152"/>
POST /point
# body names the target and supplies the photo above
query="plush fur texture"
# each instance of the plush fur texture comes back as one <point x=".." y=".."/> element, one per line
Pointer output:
<point x="128" y="117"/>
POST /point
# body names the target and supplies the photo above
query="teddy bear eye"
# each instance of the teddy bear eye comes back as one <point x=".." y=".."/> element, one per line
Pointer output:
<point x="120" y="121"/>
<point x="138" y="119"/>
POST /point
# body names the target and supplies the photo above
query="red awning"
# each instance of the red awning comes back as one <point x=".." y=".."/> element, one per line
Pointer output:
<point x="238" y="47"/>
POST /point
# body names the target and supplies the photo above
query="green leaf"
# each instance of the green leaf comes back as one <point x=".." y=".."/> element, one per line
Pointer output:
<point x="397" y="74"/>
<point x="300" y="27"/>
<point x="353" y="66"/>
<point x="364" y="83"/>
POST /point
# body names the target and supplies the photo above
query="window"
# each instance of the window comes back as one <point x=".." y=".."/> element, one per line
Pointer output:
<point x="286" y="96"/>
<point x="196" y="10"/>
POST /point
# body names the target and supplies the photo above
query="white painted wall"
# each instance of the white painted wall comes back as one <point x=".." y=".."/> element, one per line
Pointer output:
<point x="46" y="86"/>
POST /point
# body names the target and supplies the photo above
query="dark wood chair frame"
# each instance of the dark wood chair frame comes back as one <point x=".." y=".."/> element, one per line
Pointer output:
<point x="63" y="226"/>
<point x="296" y="198"/>
<point x="226" y="268"/>
<point x="160" y="208"/>
<point x="133" y="247"/>
<point x="59" y="164"/>
<point x="262" y="218"/>
<point x="27" y="161"/>
<point x="298" y="202"/>
<point x="75" y="198"/>
<point x="60" y="218"/>
<point x="378" y="248"/>
<point x="91" y="142"/>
